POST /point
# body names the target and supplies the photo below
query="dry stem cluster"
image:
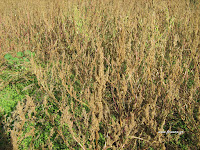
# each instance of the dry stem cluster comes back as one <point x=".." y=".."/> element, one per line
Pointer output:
<point x="110" y="74"/>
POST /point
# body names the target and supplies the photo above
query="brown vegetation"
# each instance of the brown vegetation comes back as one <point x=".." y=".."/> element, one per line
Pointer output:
<point x="109" y="74"/>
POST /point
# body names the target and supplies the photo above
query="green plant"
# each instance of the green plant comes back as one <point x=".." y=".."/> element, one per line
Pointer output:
<point x="9" y="98"/>
<point x="17" y="62"/>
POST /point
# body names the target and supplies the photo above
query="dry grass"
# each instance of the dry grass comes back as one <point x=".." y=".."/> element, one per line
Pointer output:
<point x="110" y="74"/>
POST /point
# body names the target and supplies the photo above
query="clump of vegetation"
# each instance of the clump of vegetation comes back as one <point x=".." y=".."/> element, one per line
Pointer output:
<point x="99" y="74"/>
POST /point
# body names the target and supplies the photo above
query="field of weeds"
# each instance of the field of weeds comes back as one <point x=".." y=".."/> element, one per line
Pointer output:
<point x="102" y="74"/>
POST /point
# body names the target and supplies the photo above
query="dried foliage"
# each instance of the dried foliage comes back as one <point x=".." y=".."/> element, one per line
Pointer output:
<point x="111" y="74"/>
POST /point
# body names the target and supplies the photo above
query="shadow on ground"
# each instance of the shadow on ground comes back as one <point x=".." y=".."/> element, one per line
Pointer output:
<point x="5" y="143"/>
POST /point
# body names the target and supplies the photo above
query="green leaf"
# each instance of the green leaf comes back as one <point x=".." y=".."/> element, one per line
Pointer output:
<point x="20" y="54"/>
<point x="26" y="59"/>
<point x="28" y="52"/>
<point x="101" y="135"/>
<point x="15" y="59"/>
<point x="33" y="54"/>
<point x="113" y="117"/>
<point x="8" y="56"/>
<point x="21" y="59"/>
<point x="10" y="62"/>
